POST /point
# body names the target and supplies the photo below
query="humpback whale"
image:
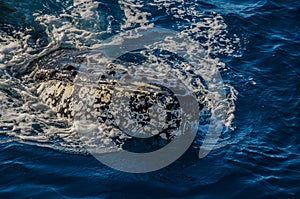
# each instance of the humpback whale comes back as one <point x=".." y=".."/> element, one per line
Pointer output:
<point x="151" y="109"/>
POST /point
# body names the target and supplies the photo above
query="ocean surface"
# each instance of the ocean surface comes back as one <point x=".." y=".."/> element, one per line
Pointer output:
<point x="254" y="44"/>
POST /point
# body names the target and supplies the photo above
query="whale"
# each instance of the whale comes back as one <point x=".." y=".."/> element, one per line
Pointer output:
<point x="54" y="77"/>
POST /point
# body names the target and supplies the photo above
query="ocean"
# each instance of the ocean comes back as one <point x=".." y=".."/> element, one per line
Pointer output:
<point x="250" y="49"/>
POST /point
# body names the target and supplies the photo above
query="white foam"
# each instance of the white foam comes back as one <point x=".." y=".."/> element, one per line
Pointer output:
<point x="79" y="25"/>
<point x="134" y="17"/>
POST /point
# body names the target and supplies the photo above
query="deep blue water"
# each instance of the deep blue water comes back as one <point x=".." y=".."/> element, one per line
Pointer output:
<point x="260" y="157"/>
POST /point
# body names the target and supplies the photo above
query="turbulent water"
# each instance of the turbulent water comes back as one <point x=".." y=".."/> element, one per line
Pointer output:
<point x="253" y="44"/>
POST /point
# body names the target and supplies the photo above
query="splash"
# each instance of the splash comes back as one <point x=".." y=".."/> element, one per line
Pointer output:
<point x="85" y="25"/>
